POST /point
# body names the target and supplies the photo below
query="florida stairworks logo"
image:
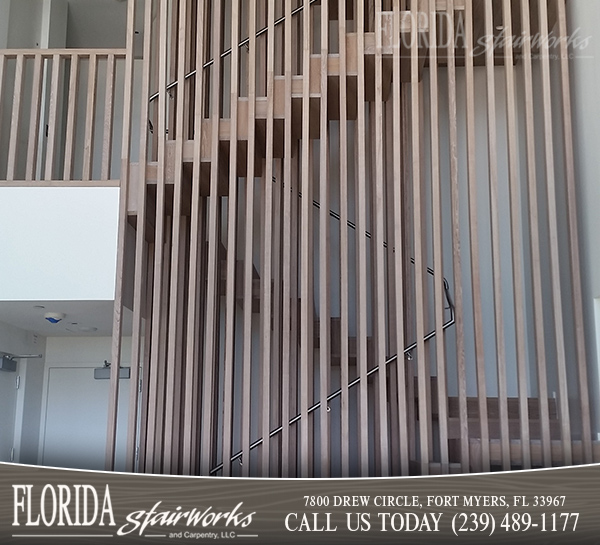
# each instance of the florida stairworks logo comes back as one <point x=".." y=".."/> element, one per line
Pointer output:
<point x="83" y="506"/>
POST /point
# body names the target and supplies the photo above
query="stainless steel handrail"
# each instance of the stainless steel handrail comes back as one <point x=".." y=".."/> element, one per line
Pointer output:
<point x="371" y="371"/>
<point x="227" y="52"/>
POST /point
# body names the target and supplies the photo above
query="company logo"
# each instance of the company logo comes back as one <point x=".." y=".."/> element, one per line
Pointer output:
<point x="82" y="505"/>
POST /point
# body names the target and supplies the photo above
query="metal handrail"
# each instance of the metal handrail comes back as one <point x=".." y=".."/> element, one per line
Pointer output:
<point x="371" y="371"/>
<point x="227" y="52"/>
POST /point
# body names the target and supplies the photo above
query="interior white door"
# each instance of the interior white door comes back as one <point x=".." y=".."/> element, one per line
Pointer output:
<point x="76" y="417"/>
<point x="8" y="405"/>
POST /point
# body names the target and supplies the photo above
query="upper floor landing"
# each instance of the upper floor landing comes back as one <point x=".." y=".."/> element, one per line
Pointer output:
<point x="67" y="115"/>
<point x="62" y="91"/>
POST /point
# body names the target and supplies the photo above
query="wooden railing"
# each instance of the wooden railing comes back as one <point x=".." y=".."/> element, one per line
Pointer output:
<point x="60" y="114"/>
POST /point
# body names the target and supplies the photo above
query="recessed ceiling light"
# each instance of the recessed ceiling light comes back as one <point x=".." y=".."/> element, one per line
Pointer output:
<point x="39" y="306"/>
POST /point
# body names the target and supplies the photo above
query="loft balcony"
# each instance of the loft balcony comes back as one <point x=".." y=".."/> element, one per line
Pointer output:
<point x="62" y="115"/>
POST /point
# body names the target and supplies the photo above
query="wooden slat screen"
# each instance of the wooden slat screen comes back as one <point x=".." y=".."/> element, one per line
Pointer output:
<point x="348" y="258"/>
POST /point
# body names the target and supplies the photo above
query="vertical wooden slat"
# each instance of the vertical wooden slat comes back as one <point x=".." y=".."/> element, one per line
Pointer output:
<point x="392" y="327"/>
<point x="565" y="424"/>
<point x="145" y="372"/>
<point x="90" y="117"/>
<point x="516" y="236"/>
<point x="177" y="454"/>
<point x="174" y="304"/>
<point x="534" y="226"/>
<point x="289" y="192"/>
<point x="231" y="244"/>
<point x="34" y="120"/>
<point x="361" y="266"/>
<point x="152" y="457"/>
<point x="164" y="342"/>
<point x="306" y="350"/>
<point x="172" y="67"/>
<point x="2" y="92"/>
<point x="117" y="324"/>
<point x="248" y="250"/>
<point x="436" y="205"/>
<point x="456" y="255"/>
<point x="192" y="342"/>
<point x="295" y="336"/>
<point x="212" y="296"/>
<point x="577" y="296"/>
<point x="399" y="247"/>
<point x="344" y="260"/>
<point x="52" y="117"/>
<point x="16" y="118"/>
<point x="71" y="120"/>
<point x="108" y="118"/>
<point x="142" y="269"/>
<point x="324" y="253"/>
<point x="310" y="382"/>
<point x="495" y="221"/>
<point x="426" y="228"/>
<point x="266" y="272"/>
<point x="408" y="225"/>
<point x="379" y="253"/>
<point x="420" y="256"/>
<point x="276" y="355"/>
<point x="474" y="240"/>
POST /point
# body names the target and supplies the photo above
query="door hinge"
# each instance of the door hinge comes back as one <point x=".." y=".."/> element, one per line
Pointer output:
<point x="12" y="454"/>
<point x="140" y="386"/>
<point x="18" y="382"/>
<point x="137" y="453"/>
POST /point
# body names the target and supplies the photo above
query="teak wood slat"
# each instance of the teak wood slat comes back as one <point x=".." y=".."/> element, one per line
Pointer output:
<point x="34" y="124"/>
<point x="141" y="272"/>
<point x="516" y="238"/>
<point x="474" y="237"/>
<point x="306" y="349"/>
<point x="553" y="236"/>
<point x="379" y="253"/>
<point x="536" y="267"/>
<point x="16" y="115"/>
<point x="90" y="116"/>
<point x="53" y="117"/>
<point x="212" y="297"/>
<point x="573" y="244"/>
<point x="495" y="233"/>
<point x="71" y="118"/>
<point x="361" y="248"/>
<point x="461" y="370"/>
<point x="344" y="248"/>
<point x="118" y="310"/>
<point x="229" y="356"/>
<point x="248" y="249"/>
<point x="436" y="198"/>
<point x="324" y="253"/>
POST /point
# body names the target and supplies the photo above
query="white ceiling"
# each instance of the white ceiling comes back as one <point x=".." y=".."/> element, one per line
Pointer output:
<point x="81" y="317"/>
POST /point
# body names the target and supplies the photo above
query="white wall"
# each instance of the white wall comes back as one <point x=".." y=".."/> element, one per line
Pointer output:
<point x="75" y="405"/>
<point x="58" y="243"/>
<point x="4" y="15"/>
<point x="584" y="17"/>
<point x="25" y="24"/>
<point x="28" y="398"/>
